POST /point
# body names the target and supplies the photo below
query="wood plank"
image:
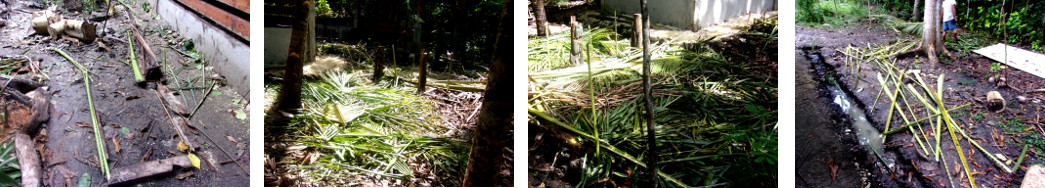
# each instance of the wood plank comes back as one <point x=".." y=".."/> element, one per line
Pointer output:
<point x="280" y="10"/>
<point x="296" y="2"/>
<point x="1024" y="60"/>
<point x="239" y="26"/>
<point x="243" y="5"/>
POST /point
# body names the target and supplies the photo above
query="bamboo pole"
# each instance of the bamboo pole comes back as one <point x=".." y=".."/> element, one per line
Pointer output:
<point x="94" y="117"/>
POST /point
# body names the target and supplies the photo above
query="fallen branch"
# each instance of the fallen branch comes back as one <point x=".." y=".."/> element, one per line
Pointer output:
<point x="102" y="159"/>
<point x="225" y="152"/>
<point x="28" y="160"/>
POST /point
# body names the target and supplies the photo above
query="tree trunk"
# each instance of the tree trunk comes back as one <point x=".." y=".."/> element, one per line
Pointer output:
<point x="495" y="116"/>
<point x="651" y="138"/>
<point x="932" y="40"/>
<point x="290" y="92"/>
<point x="917" y="11"/>
<point x="540" y="18"/>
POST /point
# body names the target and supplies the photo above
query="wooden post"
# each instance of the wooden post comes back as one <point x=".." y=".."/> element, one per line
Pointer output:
<point x="379" y="65"/>
<point x="575" y="35"/>
<point x="423" y="75"/>
<point x="636" y="39"/>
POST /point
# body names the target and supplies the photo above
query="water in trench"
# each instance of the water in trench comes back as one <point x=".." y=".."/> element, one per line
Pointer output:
<point x="866" y="134"/>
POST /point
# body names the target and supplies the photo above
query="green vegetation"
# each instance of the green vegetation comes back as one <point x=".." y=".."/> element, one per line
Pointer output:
<point x="978" y="117"/>
<point x="9" y="169"/>
<point x="831" y="12"/>
<point x="716" y="118"/>
<point x="357" y="128"/>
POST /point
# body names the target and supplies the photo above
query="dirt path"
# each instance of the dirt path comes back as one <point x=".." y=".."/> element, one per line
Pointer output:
<point x="69" y="150"/>
<point x="1000" y="133"/>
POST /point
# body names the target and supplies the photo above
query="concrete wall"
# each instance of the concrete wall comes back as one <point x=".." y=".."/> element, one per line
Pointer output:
<point x="227" y="54"/>
<point x="692" y="14"/>
<point x="277" y="46"/>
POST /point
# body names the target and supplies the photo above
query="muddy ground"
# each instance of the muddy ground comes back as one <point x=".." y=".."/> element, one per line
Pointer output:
<point x="68" y="150"/>
<point x="966" y="82"/>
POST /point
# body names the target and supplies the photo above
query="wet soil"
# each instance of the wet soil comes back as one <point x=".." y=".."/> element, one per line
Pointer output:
<point x="68" y="149"/>
<point x="966" y="82"/>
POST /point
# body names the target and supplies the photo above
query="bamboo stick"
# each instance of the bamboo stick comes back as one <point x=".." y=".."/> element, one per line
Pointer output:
<point x="94" y="117"/>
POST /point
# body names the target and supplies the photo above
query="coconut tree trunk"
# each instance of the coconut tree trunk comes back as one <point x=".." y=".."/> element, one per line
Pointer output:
<point x="932" y="40"/>
<point x="300" y="37"/>
<point x="917" y="11"/>
<point x="651" y="139"/>
<point x="495" y="116"/>
<point x="540" y="17"/>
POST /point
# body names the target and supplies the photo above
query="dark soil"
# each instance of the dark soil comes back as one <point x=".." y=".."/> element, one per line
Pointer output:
<point x="68" y="150"/>
<point x="966" y="82"/>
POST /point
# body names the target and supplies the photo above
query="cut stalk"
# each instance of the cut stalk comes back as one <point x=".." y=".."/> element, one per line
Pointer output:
<point x="94" y="117"/>
<point x="950" y="128"/>
<point x="134" y="63"/>
<point x="591" y="92"/>
<point x="900" y="128"/>
<point x="1020" y="160"/>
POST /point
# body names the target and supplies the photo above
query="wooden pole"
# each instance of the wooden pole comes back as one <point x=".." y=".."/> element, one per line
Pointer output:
<point x="636" y="39"/>
<point x="651" y="132"/>
<point x="575" y="41"/>
<point x="423" y="75"/>
<point x="379" y="65"/>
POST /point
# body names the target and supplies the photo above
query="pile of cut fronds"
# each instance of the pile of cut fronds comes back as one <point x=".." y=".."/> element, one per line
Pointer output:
<point x="553" y="52"/>
<point x="715" y="120"/>
<point x="919" y="102"/>
<point x="899" y="25"/>
<point x="350" y="129"/>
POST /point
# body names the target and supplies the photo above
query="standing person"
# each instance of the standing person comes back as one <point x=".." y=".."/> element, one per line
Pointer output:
<point x="950" y="18"/>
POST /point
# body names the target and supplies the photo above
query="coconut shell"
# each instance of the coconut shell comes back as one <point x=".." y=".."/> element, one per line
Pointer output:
<point x="995" y="102"/>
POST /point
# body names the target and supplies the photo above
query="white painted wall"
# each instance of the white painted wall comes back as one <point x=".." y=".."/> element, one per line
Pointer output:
<point x="228" y="56"/>
<point x="692" y="14"/>
<point x="277" y="45"/>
